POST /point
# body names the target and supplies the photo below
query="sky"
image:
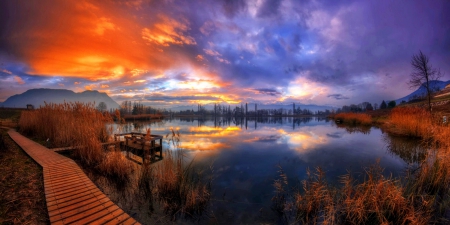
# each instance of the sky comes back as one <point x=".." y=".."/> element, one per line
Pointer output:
<point x="167" y="53"/>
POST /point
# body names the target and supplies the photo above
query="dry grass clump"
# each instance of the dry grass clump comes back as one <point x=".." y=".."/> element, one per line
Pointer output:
<point x="379" y="200"/>
<point x="68" y="124"/>
<point x="179" y="189"/>
<point x="81" y="126"/>
<point x="116" y="166"/>
<point x="176" y="185"/>
<point x="376" y="200"/>
<point x="354" y="118"/>
<point x="422" y="197"/>
<point x="317" y="203"/>
<point x="409" y="121"/>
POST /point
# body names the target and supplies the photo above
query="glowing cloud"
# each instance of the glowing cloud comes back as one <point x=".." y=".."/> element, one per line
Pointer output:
<point x="104" y="24"/>
<point x="19" y="80"/>
<point x="168" y="31"/>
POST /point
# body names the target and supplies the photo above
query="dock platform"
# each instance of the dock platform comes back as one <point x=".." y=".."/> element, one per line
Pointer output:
<point x="72" y="198"/>
<point x="148" y="147"/>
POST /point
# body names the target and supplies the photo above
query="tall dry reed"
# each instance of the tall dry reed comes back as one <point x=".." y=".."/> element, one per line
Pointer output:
<point x="69" y="124"/>
<point x="175" y="184"/>
<point x="354" y="118"/>
<point x="409" y="121"/>
<point x="422" y="197"/>
<point x="116" y="166"/>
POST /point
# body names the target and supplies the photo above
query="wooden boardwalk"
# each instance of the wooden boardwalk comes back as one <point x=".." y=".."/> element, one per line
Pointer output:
<point x="71" y="196"/>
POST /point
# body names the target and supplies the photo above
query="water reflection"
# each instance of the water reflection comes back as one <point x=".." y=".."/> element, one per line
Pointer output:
<point x="355" y="129"/>
<point x="246" y="153"/>
<point x="411" y="150"/>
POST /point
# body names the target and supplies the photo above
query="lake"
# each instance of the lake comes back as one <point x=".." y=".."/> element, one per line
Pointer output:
<point x="244" y="158"/>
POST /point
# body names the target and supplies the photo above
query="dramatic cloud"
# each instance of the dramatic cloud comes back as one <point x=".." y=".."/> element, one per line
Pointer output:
<point x="337" y="96"/>
<point x="267" y="91"/>
<point x="169" y="53"/>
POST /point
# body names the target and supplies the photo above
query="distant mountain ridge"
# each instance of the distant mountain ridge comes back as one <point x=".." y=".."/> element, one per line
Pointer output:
<point x="37" y="97"/>
<point x="422" y="91"/>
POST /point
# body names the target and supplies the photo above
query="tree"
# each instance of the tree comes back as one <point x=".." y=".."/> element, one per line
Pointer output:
<point x="383" y="105"/>
<point x="102" y="107"/>
<point x="422" y="74"/>
<point x="392" y="104"/>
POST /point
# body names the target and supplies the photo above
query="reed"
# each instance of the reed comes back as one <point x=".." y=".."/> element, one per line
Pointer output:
<point x="180" y="189"/>
<point x="116" y="166"/>
<point x="354" y="118"/>
<point x="69" y="124"/>
<point x="317" y="203"/>
<point x="410" y="121"/>
<point x="422" y="197"/>
<point x="376" y="200"/>
<point x="175" y="184"/>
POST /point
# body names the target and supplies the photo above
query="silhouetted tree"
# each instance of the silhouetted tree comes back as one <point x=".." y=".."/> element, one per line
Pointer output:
<point x="392" y="104"/>
<point x="422" y="74"/>
<point x="383" y="105"/>
<point x="102" y="107"/>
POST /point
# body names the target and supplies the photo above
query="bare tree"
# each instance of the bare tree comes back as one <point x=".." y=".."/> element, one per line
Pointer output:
<point x="102" y="107"/>
<point x="422" y="74"/>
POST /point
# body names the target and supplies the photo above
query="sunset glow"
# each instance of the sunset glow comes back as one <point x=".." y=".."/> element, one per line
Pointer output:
<point x="183" y="53"/>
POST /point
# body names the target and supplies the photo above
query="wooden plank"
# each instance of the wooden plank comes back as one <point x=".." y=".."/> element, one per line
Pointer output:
<point x="71" y="197"/>
<point x="60" y="192"/>
<point x="87" y="211"/>
<point x="69" y="210"/>
<point x="72" y="201"/>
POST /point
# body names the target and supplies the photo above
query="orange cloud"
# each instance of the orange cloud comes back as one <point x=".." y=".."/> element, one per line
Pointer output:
<point x="90" y="87"/>
<point x="199" y="58"/>
<point x="104" y="24"/>
<point x="168" y="31"/>
<point x="19" y="80"/>
<point x="92" y="40"/>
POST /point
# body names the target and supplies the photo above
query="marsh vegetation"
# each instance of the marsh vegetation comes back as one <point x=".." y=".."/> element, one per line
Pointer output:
<point x="228" y="171"/>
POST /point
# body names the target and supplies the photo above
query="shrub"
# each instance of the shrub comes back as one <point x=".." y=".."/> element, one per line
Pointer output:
<point x="354" y="118"/>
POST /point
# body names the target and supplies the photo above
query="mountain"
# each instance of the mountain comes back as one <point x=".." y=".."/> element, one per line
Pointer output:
<point x="37" y="97"/>
<point x="422" y="91"/>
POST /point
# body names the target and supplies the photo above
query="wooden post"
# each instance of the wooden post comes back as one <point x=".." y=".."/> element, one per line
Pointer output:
<point x="160" y="145"/>
<point x="152" y="151"/>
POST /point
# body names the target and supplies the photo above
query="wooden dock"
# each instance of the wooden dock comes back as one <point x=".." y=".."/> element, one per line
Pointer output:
<point x="72" y="198"/>
<point x="143" y="146"/>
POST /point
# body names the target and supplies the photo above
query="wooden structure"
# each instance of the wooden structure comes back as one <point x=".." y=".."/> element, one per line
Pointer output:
<point x="72" y="198"/>
<point x="149" y="148"/>
<point x="30" y="106"/>
<point x="115" y="143"/>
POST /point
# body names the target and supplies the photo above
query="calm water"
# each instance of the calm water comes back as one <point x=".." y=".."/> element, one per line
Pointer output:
<point x="245" y="157"/>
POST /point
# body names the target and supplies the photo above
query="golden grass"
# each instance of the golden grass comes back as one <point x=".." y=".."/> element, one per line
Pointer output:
<point x="415" y="122"/>
<point x="81" y="125"/>
<point x="354" y="118"/>
<point x="422" y="197"/>
<point x="175" y="184"/>
<point x="116" y="166"/>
